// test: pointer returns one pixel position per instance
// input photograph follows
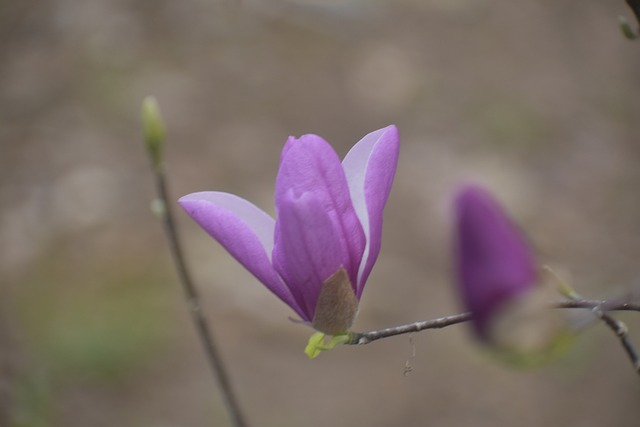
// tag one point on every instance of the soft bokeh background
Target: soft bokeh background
(538, 100)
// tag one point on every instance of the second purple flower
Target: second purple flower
(494, 262)
(317, 254)
(500, 285)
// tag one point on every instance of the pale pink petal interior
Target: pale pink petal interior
(244, 230)
(370, 167)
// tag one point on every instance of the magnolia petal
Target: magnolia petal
(495, 264)
(244, 230)
(310, 166)
(370, 167)
(307, 248)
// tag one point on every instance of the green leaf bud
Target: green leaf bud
(154, 131)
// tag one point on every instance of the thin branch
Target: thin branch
(621, 331)
(361, 338)
(618, 327)
(609, 305)
(193, 301)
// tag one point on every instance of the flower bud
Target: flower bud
(499, 281)
(153, 130)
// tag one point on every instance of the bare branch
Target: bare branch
(360, 338)
(598, 306)
(154, 138)
(608, 305)
(197, 316)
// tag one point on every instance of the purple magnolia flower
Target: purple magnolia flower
(495, 265)
(317, 255)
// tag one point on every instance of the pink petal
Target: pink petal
(307, 250)
(244, 230)
(309, 165)
(370, 167)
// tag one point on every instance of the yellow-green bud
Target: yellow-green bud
(318, 344)
(154, 130)
(626, 29)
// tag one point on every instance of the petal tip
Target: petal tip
(470, 193)
(190, 200)
(391, 133)
(392, 128)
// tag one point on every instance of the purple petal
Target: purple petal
(370, 167)
(495, 264)
(309, 165)
(244, 230)
(307, 249)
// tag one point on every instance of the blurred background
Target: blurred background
(537, 100)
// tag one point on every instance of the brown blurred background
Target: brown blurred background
(538, 100)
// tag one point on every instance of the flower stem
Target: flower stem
(192, 298)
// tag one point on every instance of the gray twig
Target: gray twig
(360, 338)
(622, 332)
(598, 307)
(193, 302)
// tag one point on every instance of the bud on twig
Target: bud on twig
(154, 131)
(626, 29)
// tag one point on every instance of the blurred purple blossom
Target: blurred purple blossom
(495, 265)
(317, 255)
